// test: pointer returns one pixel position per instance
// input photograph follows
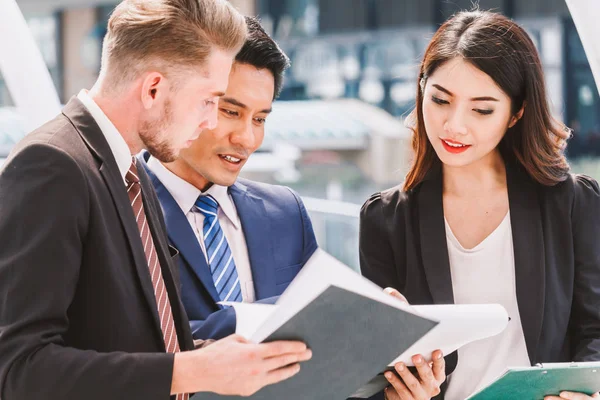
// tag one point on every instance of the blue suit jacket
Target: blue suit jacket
(280, 240)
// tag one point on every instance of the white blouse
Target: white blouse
(486, 274)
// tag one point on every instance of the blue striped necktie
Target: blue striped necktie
(220, 257)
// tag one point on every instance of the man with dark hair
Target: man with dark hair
(89, 305)
(239, 240)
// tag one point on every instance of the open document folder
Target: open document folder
(353, 328)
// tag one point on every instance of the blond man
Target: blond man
(89, 303)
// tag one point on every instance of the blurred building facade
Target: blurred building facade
(370, 49)
(367, 50)
(351, 59)
(69, 34)
(363, 49)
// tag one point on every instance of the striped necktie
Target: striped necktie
(220, 257)
(165, 313)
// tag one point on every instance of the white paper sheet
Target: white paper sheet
(458, 324)
(321, 271)
(250, 316)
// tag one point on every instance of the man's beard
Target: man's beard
(151, 131)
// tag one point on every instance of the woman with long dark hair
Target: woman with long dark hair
(489, 212)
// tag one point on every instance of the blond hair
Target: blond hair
(167, 36)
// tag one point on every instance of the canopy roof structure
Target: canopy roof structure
(345, 124)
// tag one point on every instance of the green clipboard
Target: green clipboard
(533, 383)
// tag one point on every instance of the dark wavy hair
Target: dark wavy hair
(502, 49)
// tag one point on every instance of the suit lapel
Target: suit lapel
(528, 244)
(116, 187)
(257, 231)
(152, 214)
(182, 236)
(432, 234)
(94, 138)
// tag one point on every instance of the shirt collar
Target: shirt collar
(117, 144)
(186, 194)
(221, 194)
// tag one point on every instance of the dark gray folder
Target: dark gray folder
(352, 337)
(371, 388)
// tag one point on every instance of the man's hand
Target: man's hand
(573, 396)
(234, 366)
(423, 387)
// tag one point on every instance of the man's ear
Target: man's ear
(153, 88)
(515, 118)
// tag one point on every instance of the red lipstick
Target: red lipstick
(454, 147)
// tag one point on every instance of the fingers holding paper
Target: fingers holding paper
(394, 293)
(282, 357)
(280, 360)
(573, 396)
(242, 368)
(410, 387)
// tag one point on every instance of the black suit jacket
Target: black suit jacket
(556, 238)
(78, 316)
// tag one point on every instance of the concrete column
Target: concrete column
(79, 51)
(246, 7)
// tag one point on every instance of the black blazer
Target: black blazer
(78, 316)
(556, 238)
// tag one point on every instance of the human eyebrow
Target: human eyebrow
(479, 98)
(484, 98)
(238, 103)
(234, 102)
(442, 89)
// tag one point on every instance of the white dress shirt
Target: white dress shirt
(185, 195)
(486, 274)
(117, 144)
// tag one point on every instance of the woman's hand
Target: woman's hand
(573, 396)
(423, 387)
(408, 386)
(394, 293)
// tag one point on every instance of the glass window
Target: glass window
(12, 129)
(45, 30)
(583, 103)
